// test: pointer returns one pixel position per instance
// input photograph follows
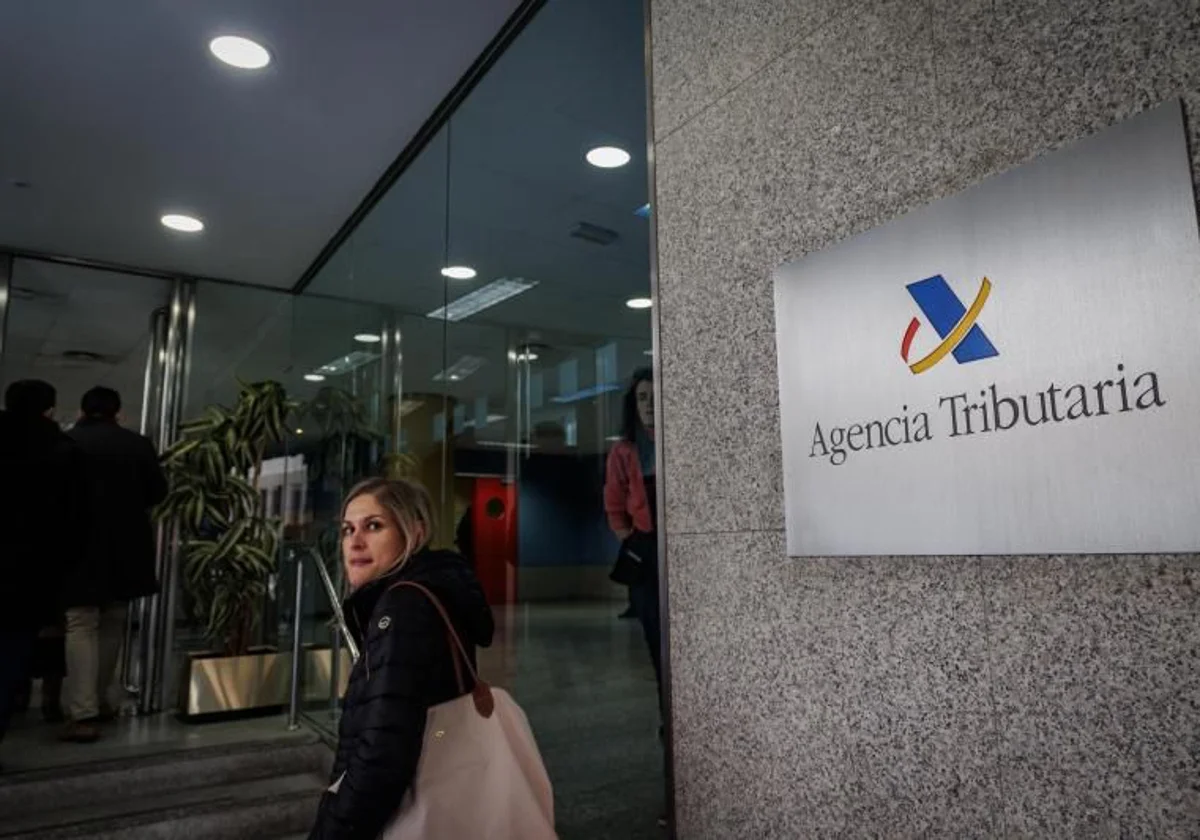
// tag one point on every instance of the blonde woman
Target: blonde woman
(406, 664)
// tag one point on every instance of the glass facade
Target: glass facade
(473, 332)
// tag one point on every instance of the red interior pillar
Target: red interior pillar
(494, 521)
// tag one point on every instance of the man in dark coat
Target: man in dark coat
(42, 510)
(116, 563)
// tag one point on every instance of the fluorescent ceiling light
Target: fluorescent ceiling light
(351, 361)
(639, 303)
(181, 222)
(459, 272)
(460, 370)
(608, 157)
(240, 52)
(497, 444)
(314, 377)
(368, 338)
(586, 394)
(481, 299)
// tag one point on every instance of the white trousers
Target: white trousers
(95, 636)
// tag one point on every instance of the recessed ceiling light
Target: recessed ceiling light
(639, 303)
(314, 377)
(240, 52)
(459, 272)
(180, 222)
(608, 157)
(299, 431)
(368, 338)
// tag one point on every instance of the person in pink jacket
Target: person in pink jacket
(630, 503)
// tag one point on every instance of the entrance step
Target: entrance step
(260, 790)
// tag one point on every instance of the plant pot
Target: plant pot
(318, 671)
(216, 684)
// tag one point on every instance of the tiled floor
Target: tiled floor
(582, 676)
(584, 679)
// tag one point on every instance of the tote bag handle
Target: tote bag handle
(482, 692)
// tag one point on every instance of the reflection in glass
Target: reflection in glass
(502, 264)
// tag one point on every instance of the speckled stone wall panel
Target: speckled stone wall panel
(1019, 79)
(774, 763)
(1096, 679)
(868, 705)
(704, 48)
(896, 697)
(834, 138)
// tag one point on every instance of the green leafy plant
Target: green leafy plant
(346, 444)
(228, 547)
(337, 413)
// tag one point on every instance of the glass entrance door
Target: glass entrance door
(76, 329)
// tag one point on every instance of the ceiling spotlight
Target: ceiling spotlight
(313, 377)
(299, 431)
(368, 338)
(639, 303)
(240, 52)
(459, 272)
(608, 157)
(180, 222)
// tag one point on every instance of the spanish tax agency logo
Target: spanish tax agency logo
(954, 323)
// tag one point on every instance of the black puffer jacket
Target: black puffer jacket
(405, 668)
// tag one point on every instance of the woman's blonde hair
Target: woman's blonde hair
(410, 506)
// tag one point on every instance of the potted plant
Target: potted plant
(226, 546)
(344, 448)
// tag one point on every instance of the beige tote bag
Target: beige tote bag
(480, 775)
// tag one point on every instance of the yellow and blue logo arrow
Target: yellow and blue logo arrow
(954, 323)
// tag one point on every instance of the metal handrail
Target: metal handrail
(336, 601)
(297, 635)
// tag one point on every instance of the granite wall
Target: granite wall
(891, 697)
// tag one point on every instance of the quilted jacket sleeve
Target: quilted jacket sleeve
(616, 492)
(405, 645)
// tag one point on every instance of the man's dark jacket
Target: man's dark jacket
(124, 481)
(42, 517)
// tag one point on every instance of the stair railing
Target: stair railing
(298, 555)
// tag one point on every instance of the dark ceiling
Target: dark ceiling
(115, 112)
(503, 184)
